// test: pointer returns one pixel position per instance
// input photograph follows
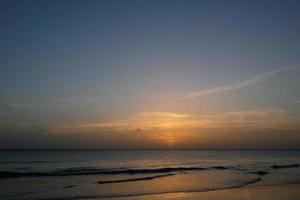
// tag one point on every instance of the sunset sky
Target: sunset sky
(150, 74)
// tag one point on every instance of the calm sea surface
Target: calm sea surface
(123, 173)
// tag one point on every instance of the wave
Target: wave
(97, 171)
(25, 162)
(249, 182)
(220, 167)
(285, 166)
(11, 174)
(116, 171)
(23, 168)
(130, 171)
(135, 179)
(261, 173)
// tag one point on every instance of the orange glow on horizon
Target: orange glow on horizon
(169, 139)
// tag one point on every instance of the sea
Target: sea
(113, 174)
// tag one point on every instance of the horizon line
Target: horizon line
(139, 149)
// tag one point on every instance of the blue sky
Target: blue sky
(100, 64)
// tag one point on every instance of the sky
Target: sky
(149, 74)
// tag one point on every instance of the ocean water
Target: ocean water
(124, 173)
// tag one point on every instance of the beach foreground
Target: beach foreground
(278, 192)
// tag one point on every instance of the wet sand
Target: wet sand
(278, 192)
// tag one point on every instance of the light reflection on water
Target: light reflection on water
(183, 170)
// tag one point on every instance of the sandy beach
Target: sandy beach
(278, 192)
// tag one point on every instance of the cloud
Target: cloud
(19, 105)
(138, 121)
(254, 119)
(162, 122)
(71, 101)
(89, 126)
(162, 114)
(237, 85)
(296, 101)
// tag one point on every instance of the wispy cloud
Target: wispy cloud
(296, 101)
(162, 115)
(19, 105)
(263, 118)
(140, 120)
(176, 122)
(72, 101)
(237, 85)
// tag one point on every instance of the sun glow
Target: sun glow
(169, 139)
(174, 122)
(175, 129)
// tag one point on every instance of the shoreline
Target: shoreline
(289, 191)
